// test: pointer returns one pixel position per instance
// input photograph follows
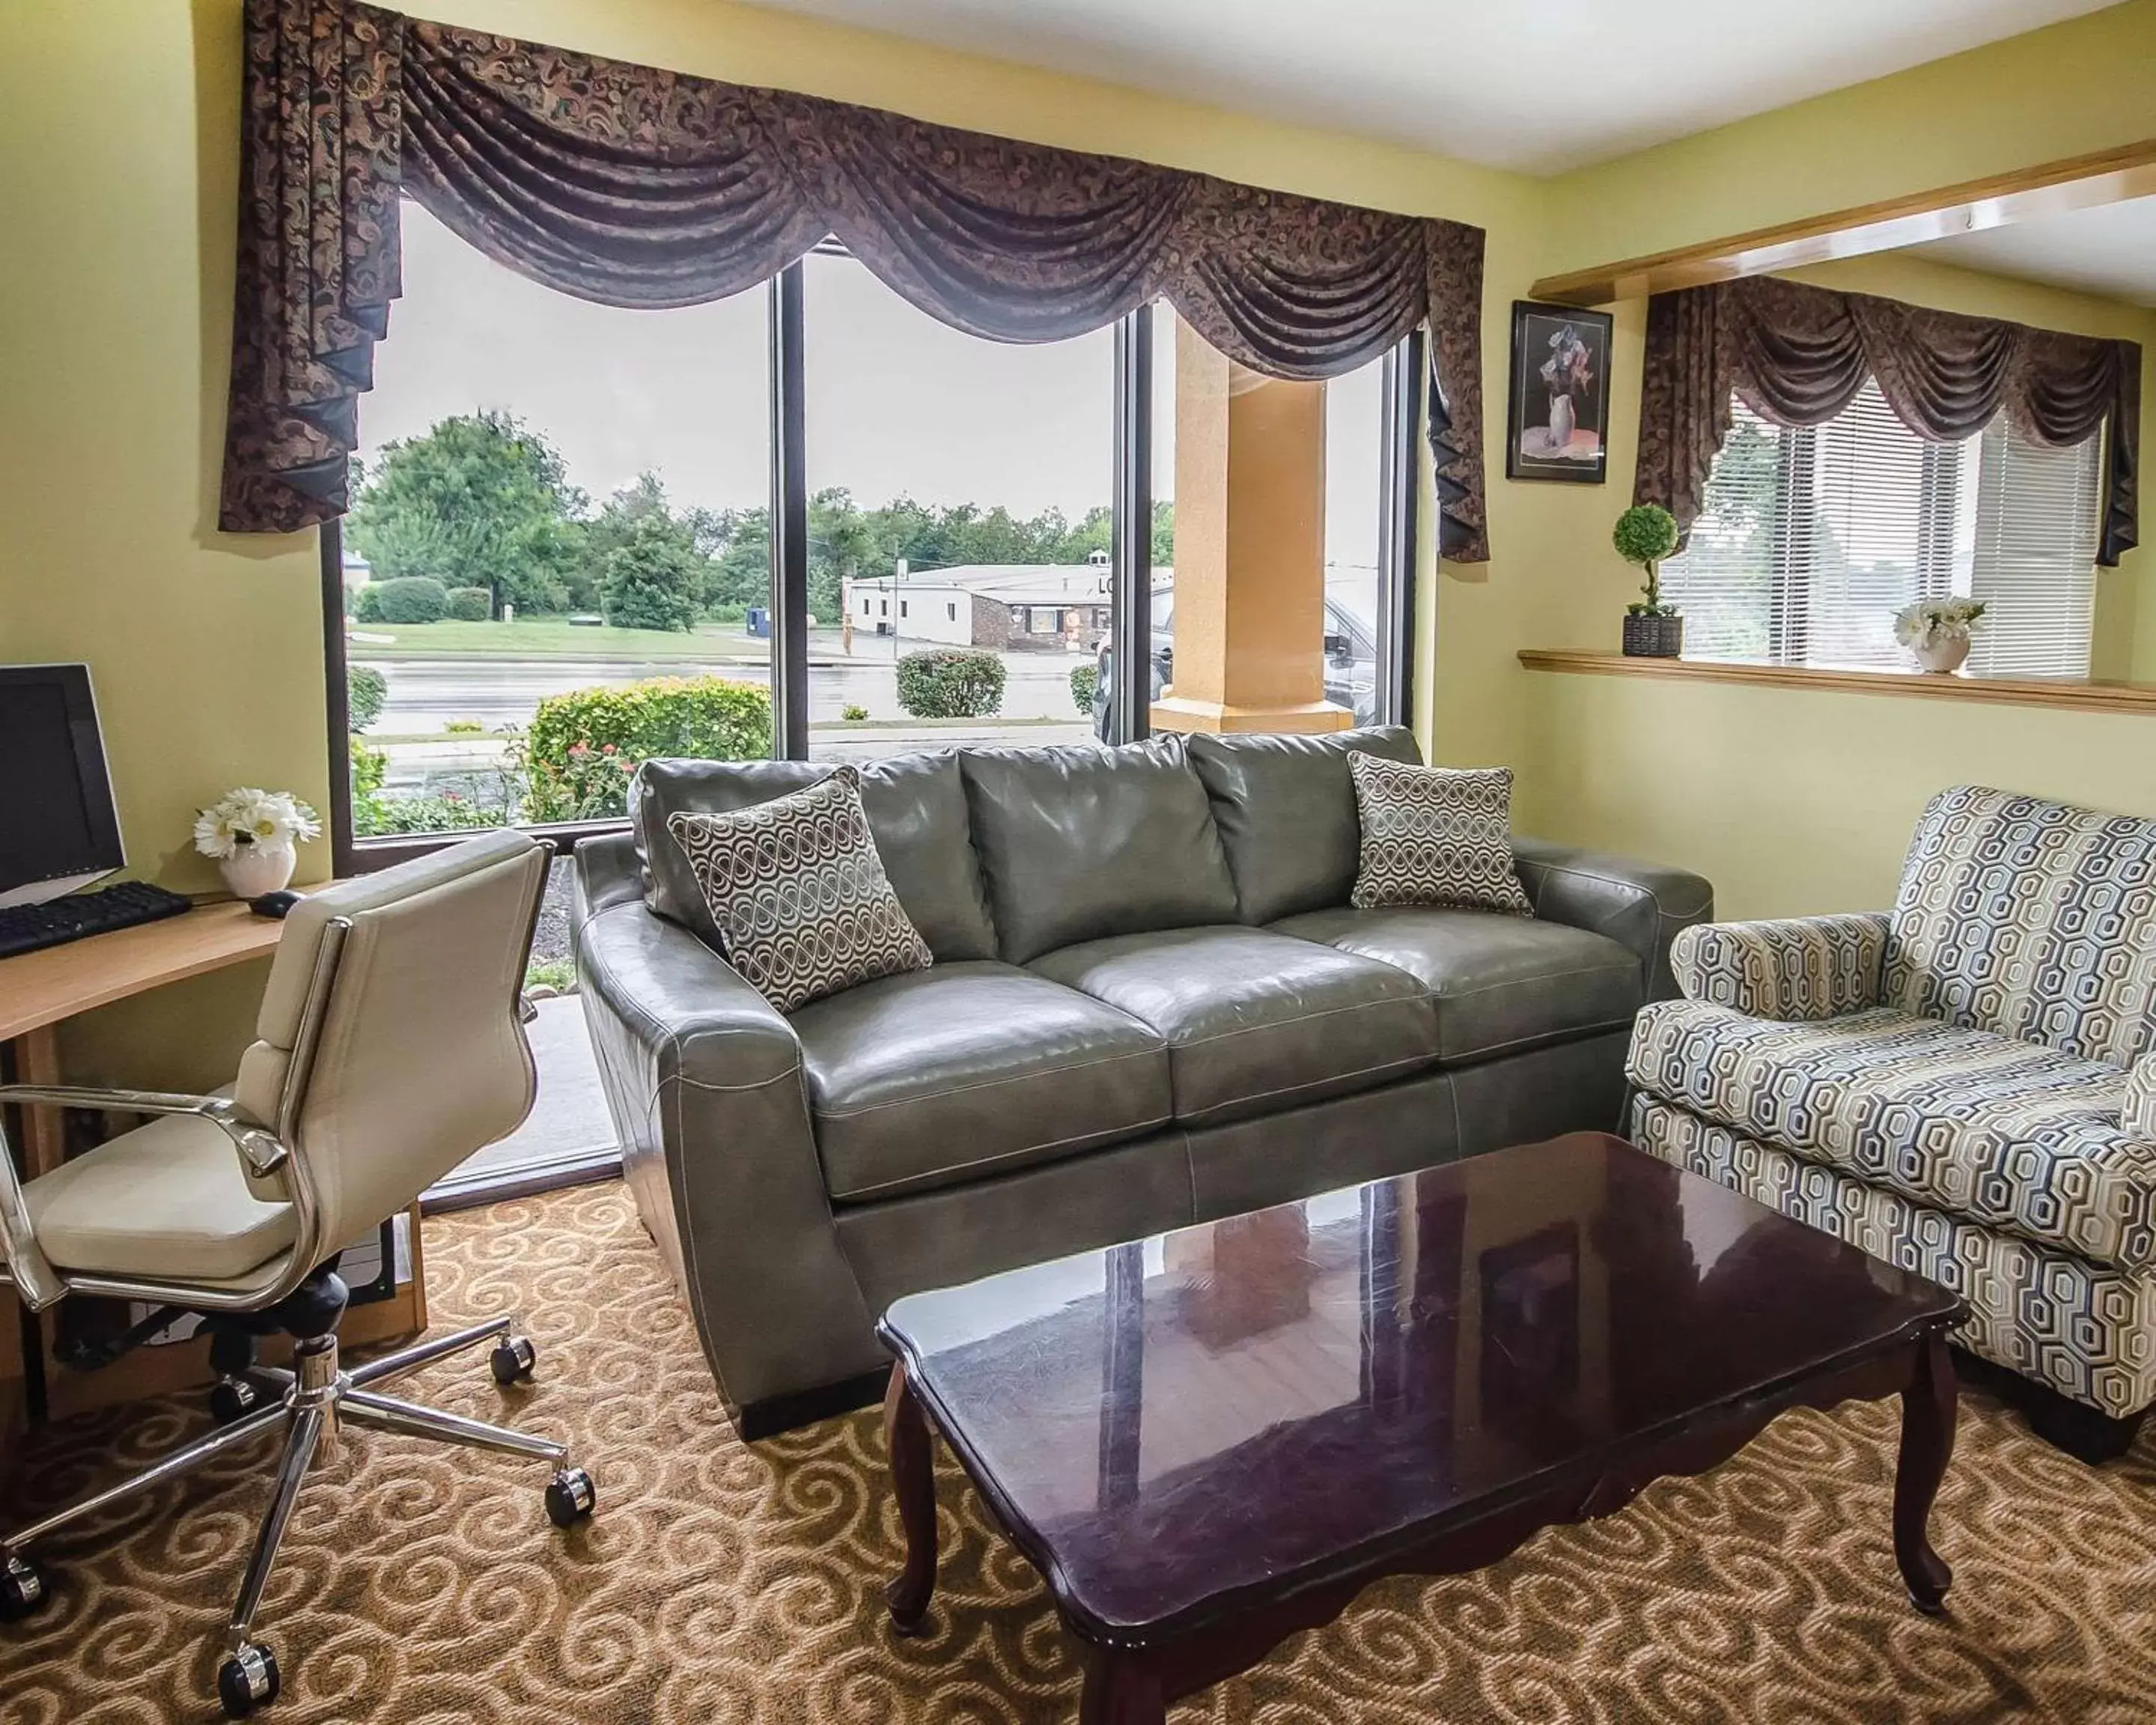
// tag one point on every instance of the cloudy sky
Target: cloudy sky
(898, 405)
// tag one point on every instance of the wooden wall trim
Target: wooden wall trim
(2079, 695)
(2047, 189)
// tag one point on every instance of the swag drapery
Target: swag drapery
(639, 187)
(1798, 355)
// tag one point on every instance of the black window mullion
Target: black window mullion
(790, 521)
(1400, 490)
(337, 687)
(1129, 702)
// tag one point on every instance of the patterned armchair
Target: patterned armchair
(1965, 1086)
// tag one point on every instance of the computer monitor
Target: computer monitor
(58, 829)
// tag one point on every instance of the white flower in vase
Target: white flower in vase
(251, 834)
(1938, 632)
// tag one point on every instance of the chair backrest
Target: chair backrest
(2031, 919)
(412, 1056)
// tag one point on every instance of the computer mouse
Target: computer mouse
(273, 904)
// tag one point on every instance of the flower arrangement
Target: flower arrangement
(1932, 623)
(242, 818)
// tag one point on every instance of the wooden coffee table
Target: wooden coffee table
(1211, 1438)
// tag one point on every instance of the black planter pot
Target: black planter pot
(1653, 637)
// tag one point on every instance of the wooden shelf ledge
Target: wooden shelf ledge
(2078, 694)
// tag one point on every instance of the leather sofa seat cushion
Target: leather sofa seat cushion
(1286, 806)
(167, 1199)
(1256, 1022)
(1079, 843)
(970, 1070)
(916, 810)
(1500, 983)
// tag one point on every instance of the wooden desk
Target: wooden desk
(39, 992)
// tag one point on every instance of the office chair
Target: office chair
(389, 1047)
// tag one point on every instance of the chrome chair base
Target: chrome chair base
(318, 1395)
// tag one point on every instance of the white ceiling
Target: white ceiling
(2109, 250)
(1537, 85)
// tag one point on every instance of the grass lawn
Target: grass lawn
(551, 637)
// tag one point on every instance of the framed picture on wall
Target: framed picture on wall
(1557, 419)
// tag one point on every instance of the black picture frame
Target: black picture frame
(1542, 336)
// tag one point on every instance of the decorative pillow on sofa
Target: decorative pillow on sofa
(797, 889)
(1435, 835)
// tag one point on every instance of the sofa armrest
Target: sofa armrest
(703, 1081)
(1795, 968)
(1638, 905)
(2136, 1114)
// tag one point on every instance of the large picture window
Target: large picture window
(1812, 537)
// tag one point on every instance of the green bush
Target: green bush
(1085, 682)
(951, 683)
(853, 712)
(432, 812)
(470, 604)
(583, 747)
(366, 690)
(652, 579)
(409, 599)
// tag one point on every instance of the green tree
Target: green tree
(654, 577)
(740, 559)
(841, 545)
(479, 500)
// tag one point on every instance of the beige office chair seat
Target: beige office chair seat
(168, 1200)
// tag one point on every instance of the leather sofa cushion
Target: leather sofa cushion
(1256, 1022)
(1500, 983)
(970, 1070)
(917, 811)
(1285, 806)
(1079, 843)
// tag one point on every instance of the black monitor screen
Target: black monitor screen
(56, 813)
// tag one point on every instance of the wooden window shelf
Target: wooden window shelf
(2080, 694)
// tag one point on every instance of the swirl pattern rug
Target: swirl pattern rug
(722, 1584)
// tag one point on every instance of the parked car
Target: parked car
(1351, 652)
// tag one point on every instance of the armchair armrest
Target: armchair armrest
(2136, 1114)
(259, 1150)
(1638, 905)
(1794, 969)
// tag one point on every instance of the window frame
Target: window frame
(1131, 568)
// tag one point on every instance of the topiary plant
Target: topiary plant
(1645, 534)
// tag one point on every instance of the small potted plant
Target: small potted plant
(1644, 535)
(1937, 632)
(251, 834)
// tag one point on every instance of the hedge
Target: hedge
(1085, 682)
(366, 690)
(583, 747)
(951, 683)
(407, 599)
(470, 604)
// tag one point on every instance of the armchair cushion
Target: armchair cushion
(166, 1200)
(2011, 1135)
(1801, 967)
(2138, 1114)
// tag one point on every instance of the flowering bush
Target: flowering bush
(1929, 622)
(584, 747)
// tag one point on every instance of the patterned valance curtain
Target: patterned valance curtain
(639, 187)
(1797, 355)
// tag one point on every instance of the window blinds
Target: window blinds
(1811, 538)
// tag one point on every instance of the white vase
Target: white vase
(265, 866)
(1562, 420)
(1945, 654)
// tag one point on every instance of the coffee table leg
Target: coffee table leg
(1119, 1692)
(1927, 1435)
(906, 1437)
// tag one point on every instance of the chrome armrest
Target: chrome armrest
(260, 1151)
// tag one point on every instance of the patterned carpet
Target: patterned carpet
(722, 1584)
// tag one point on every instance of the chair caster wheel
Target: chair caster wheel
(511, 1360)
(570, 1497)
(234, 1398)
(248, 1680)
(23, 1587)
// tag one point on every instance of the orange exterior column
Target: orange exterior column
(1250, 551)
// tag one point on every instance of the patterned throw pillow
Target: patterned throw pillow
(1432, 835)
(798, 892)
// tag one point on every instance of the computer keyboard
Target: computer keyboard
(24, 928)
